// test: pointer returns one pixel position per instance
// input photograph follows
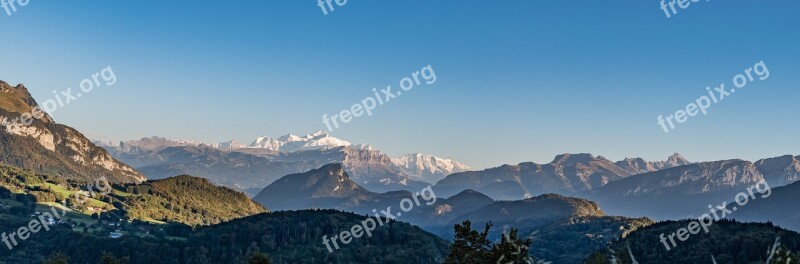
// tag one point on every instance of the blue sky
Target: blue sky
(517, 80)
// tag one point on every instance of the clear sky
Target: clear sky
(516, 80)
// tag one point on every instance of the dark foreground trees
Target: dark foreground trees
(471, 246)
(258, 258)
(107, 258)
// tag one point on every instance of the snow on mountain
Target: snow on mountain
(639, 165)
(363, 147)
(285, 155)
(233, 144)
(267, 143)
(289, 143)
(151, 143)
(428, 168)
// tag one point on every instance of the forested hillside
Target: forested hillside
(727, 242)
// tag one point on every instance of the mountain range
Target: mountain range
(671, 189)
(330, 187)
(557, 223)
(686, 191)
(308, 186)
(288, 143)
(567, 174)
(252, 167)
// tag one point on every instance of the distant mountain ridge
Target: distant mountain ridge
(778, 206)
(638, 165)
(686, 191)
(780, 171)
(47, 147)
(692, 179)
(251, 167)
(152, 143)
(236, 170)
(567, 174)
(288, 143)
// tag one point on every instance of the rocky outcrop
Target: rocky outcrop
(635, 166)
(780, 171)
(37, 143)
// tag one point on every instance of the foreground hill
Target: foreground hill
(183, 199)
(188, 200)
(47, 147)
(445, 211)
(544, 208)
(296, 237)
(727, 242)
(287, 237)
(563, 229)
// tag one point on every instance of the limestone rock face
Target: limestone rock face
(32, 140)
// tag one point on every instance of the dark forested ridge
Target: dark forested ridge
(727, 242)
(287, 237)
(562, 229)
(296, 237)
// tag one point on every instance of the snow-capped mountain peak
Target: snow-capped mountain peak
(288, 138)
(293, 143)
(363, 147)
(151, 143)
(429, 168)
(233, 144)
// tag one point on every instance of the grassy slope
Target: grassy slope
(12, 103)
(183, 199)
